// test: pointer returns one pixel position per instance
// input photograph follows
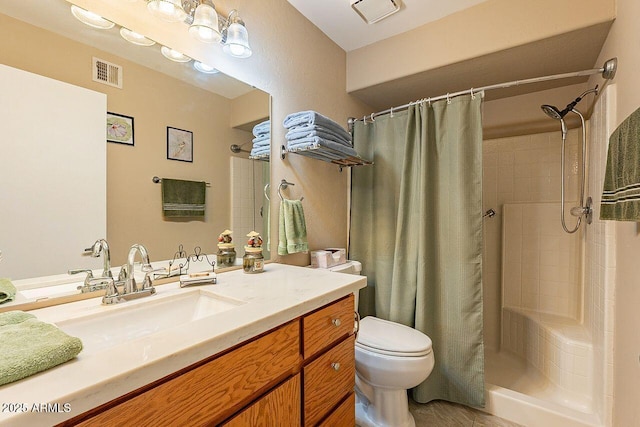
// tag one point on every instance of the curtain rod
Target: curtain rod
(608, 71)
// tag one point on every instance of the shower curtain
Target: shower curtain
(417, 229)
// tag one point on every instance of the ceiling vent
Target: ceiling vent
(373, 11)
(107, 73)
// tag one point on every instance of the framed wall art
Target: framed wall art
(179, 144)
(120, 129)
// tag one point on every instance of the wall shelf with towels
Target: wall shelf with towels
(327, 154)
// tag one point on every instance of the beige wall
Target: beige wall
(155, 101)
(302, 69)
(623, 42)
(469, 34)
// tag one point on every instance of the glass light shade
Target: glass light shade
(174, 55)
(205, 24)
(167, 10)
(237, 43)
(91, 19)
(204, 68)
(135, 38)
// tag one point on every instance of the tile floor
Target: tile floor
(445, 414)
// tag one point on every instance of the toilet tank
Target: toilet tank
(350, 267)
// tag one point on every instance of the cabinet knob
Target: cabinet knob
(335, 366)
(336, 322)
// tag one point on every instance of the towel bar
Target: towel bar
(158, 180)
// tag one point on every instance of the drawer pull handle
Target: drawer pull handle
(336, 322)
(335, 366)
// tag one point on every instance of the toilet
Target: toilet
(390, 359)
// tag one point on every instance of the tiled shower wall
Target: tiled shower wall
(518, 169)
(541, 263)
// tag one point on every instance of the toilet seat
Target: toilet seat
(392, 339)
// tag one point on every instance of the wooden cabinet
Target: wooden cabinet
(260, 382)
(280, 407)
(329, 361)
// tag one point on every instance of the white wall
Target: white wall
(40, 115)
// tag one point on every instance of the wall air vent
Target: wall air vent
(373, 11)
(107, 73)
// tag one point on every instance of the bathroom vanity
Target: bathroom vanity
(277, 350)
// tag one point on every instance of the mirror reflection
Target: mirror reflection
(211, 110)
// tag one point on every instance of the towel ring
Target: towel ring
(283, 185)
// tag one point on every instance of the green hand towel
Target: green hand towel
(13, 317)
(31, 346)
(7, 290)
(621, 190)
(292, 233)
(183, 198)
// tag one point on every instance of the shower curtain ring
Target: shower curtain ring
(364, 119)
(391, 115)
(429, 101)
(372, 119)
(473, 96)
(448, 99)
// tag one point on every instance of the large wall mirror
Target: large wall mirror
(216, 110)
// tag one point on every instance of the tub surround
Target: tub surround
(279, 295)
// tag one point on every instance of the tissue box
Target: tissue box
(328, 257)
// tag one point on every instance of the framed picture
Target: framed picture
(120, 129)
(179, 144)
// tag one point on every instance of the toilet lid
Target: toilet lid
(383, 336)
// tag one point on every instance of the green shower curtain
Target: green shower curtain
(417, 228)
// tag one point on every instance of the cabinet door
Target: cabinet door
(327, 380)
(214, 391)
(280, 407)
(344, 415)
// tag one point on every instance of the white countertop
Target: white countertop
(272, 298)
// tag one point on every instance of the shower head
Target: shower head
(552, 111)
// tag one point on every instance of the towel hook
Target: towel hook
(283, 186)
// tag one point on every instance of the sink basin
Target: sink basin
(114, 325)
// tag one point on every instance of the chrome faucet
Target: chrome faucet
(99, 246)
(126, 279)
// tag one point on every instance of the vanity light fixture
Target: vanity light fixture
(91, 19)
(167, 10)
(204, 68)
(135, 38)
(174, 55)
(205, 26)
(237, 37)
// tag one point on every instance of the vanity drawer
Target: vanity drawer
(213, 391)
(327, 326)
(328, 379)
